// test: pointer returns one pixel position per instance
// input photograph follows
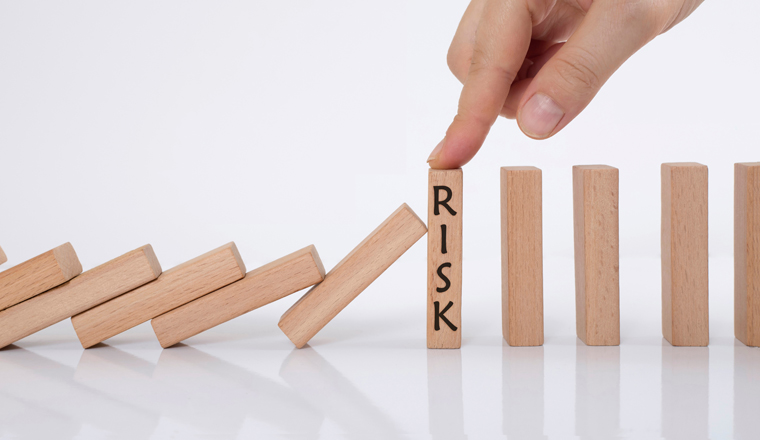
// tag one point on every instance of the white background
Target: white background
(276, 125)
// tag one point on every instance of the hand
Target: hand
(510, 56)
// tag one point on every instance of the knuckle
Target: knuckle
(458, 62)
(481, 65)
(577, 73)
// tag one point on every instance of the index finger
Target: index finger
(501, 43)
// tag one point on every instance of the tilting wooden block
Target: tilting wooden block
(261, 286)
(175, 287)
(352, 275)
(522, 290)
(93, 287)
(444, 280)
(747, 253)
(3, 258)
(684, 254)
(597, 281)
(38, 275)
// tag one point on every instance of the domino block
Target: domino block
(3, 258)
(684, 254)
(444, 280)
(93, 287)
(522, 256)
(175, 287)
(261, 286)
(747, 253)
(597, 280)
(352, 275)
(38, 275)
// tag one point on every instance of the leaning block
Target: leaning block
(260, 287)
(352, 275)
(444, 280)
(3, 258)
(38, 275)
(684, 254)
(521, 257)
(173, 288)
(747, 253)
(597, 281)
(93, 287)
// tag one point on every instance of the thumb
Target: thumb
(610, 33)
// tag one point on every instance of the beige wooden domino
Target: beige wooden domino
(684, 254)
(38, 275)
(175, 287)
(522, 256)
(597, 280)
(3, 258)
(444, 272)
(747, 253)
(261, 286)
(93, 287)
(352, 275)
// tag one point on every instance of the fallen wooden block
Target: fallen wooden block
(93, 287)
(175, 287)
(522, 256)
(3, 258)
(38, 275)
(261, 286)
(684, 254)
(747, 253)
(352, 275)
(444, 280)
(597, 280)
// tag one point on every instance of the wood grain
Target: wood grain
(747, 253)
(93, 287)
(597, 280)
(684, 254)
(352, 275)
(522, 256)
(175, 287)
(3, 258)
(38, 275)
(260, 287)
(444, 270)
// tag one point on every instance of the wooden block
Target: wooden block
(747, 253)
(3, 258)
(93, 287)
(597, 280)
(175, 287)
(522, 282)
(38, 275)
(684, 254)
(260, 287)
(444, 280)
(352, 275)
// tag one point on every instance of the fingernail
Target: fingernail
(539, 116)
(436, 151)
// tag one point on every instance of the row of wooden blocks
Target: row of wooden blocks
(215, 288)
(597, 285)
(196, 295)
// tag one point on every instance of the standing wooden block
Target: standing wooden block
(597, 280)
(747, 253)
(175, 287)
(38, 275)
(93, 287)
(352, 275)
(684, 254)
(3, 258)
(444, 280)
(522, 282)
(260, 287)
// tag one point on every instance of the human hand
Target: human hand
(510, 57)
